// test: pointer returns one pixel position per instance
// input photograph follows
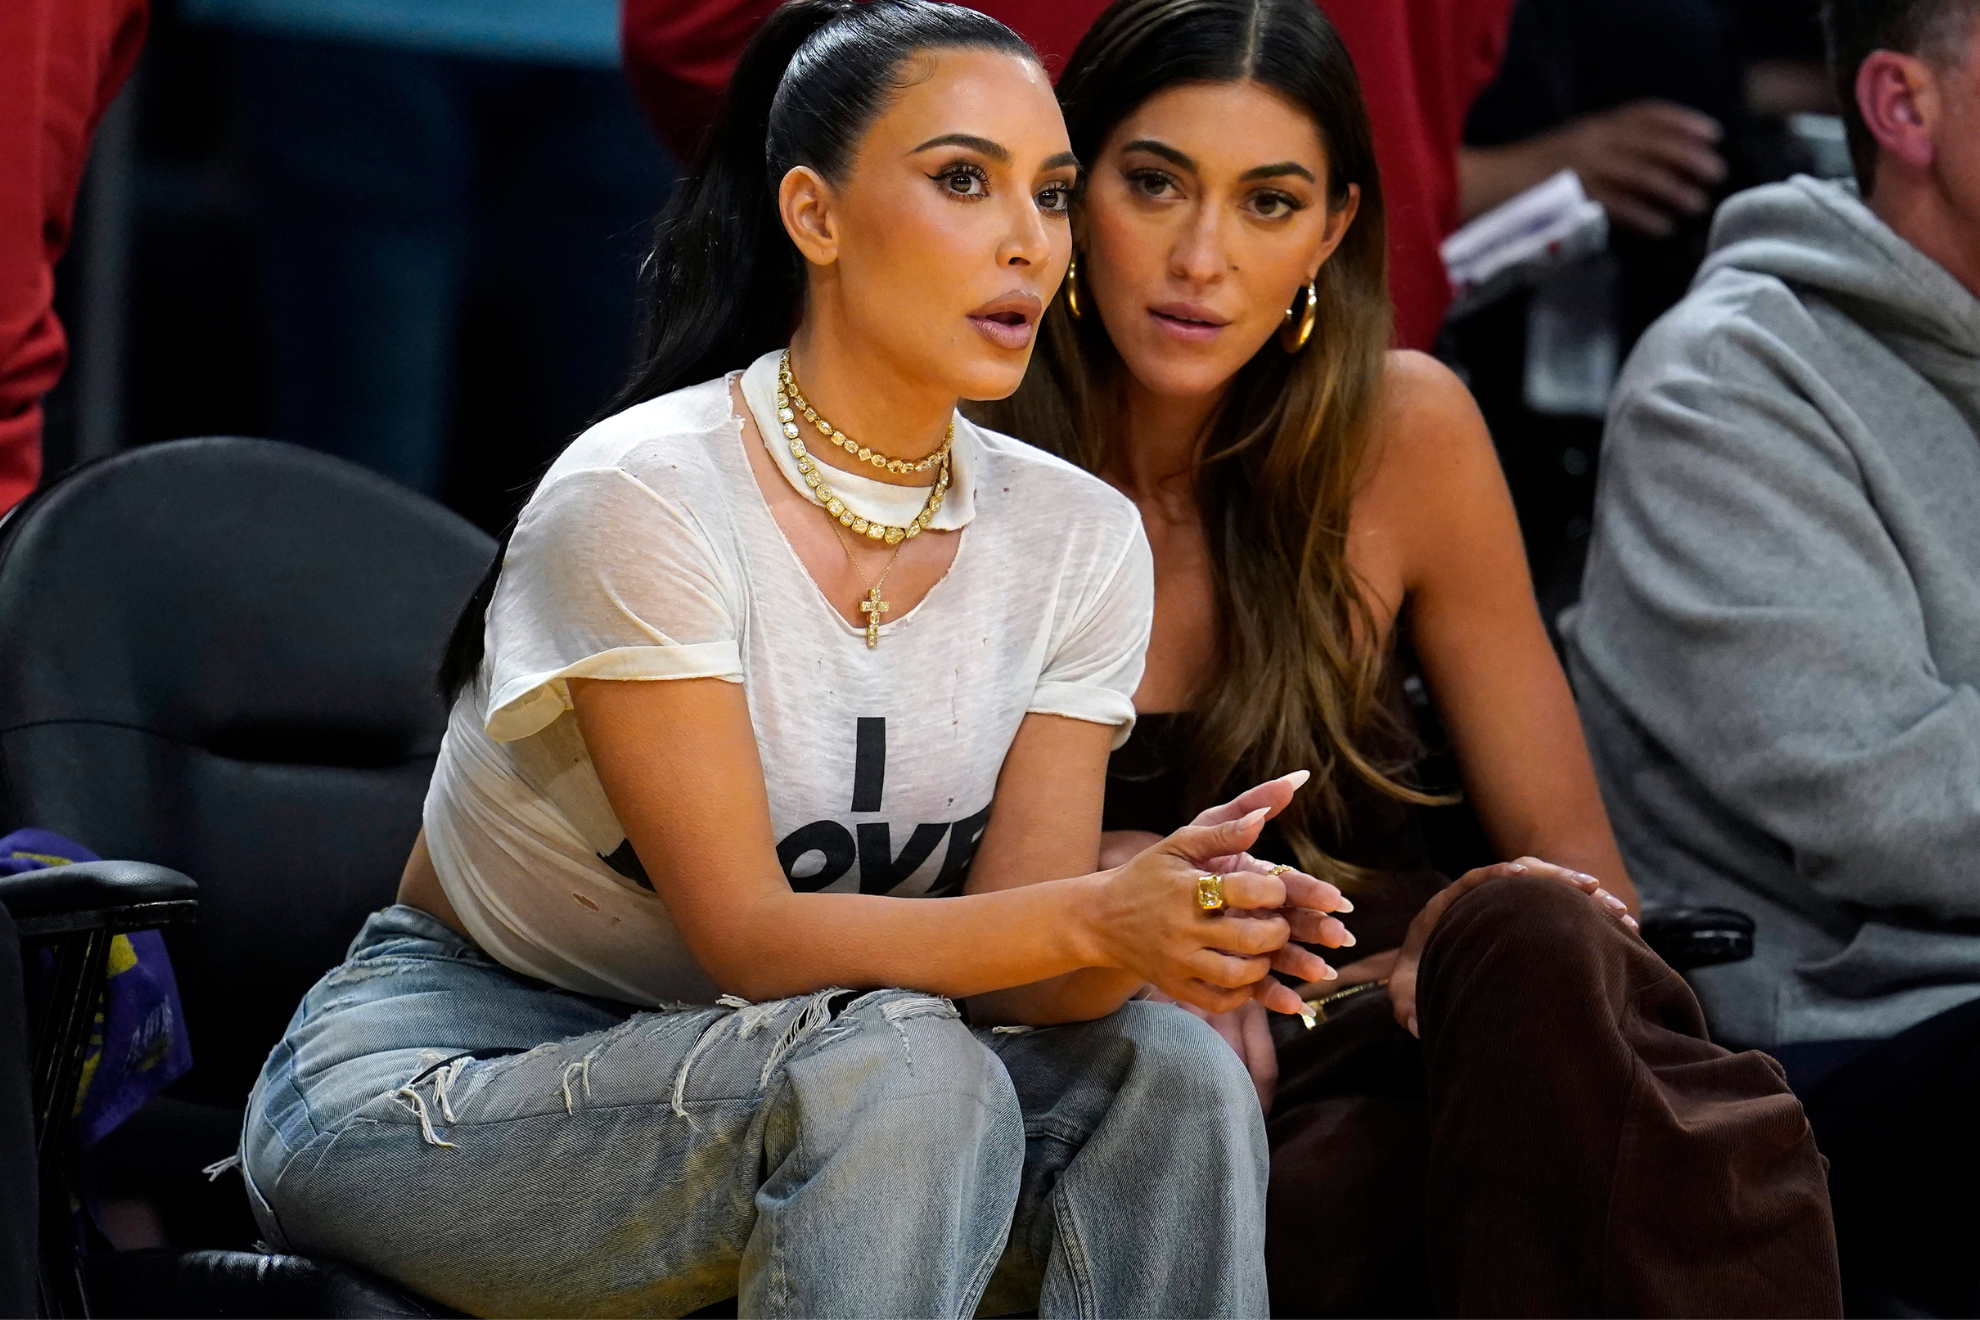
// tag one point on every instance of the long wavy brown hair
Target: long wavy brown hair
(1299, 678)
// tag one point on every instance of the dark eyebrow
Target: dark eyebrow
(1177, 158)
(1162, 149)
(1279, 171)
(1060, 161)
(994, 150)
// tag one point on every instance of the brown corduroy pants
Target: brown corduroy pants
(1565, 1140)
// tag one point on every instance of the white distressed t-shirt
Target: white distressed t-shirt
(649, 552)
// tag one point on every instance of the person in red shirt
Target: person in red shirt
(1422, 63)
(61, 63)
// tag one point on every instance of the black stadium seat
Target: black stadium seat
(218, 656)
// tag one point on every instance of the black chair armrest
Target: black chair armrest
(97, 896)
(76, 911)
(1687, 938)
(162, 1283)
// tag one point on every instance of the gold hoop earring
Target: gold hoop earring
(1291, 339)
(1072, 286)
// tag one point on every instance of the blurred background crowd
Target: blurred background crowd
(406, 234)
(409, 233)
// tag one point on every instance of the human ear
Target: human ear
(1338, 221)
(804, 201)
(1898, 97)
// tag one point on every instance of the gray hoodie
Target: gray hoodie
(1777, 652)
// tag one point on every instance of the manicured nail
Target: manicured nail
(1342, 905)
(1296, 778)
(1331, 974)
(1611, 900)
(1309, 1014)
(1255, 816)
(1412, 1029)
(1586, 878)
(1629, 921)
(1516, 868)
(1347, 939)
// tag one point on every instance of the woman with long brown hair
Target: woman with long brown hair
(1534, 1121)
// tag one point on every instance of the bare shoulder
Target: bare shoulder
(1429, 443)
(1432, 477)
(1426, 423)
(1420, 383)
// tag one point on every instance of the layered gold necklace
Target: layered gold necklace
(790, 403)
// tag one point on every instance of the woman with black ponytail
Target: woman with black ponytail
(777, 650)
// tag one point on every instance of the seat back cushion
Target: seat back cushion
(219, 655)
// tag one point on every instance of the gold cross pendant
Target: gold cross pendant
(873, 607)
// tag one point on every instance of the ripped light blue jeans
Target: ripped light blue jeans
(510, 1149)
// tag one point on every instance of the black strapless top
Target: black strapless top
(1146, 790)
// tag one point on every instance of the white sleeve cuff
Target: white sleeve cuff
(530, 703)
(1086, 701)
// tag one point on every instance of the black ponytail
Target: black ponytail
(724, 284)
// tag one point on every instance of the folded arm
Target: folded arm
(1748, 605)
(1035, 910)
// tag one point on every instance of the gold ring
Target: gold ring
(1280, 869)
(1210, 894)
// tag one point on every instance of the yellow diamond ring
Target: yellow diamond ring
(1210, 894)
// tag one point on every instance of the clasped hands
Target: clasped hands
(1225, 977)
(1217, 962)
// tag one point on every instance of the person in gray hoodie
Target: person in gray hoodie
(1777, 653)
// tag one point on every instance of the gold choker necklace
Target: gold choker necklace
(788, 382)
(787, 396)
